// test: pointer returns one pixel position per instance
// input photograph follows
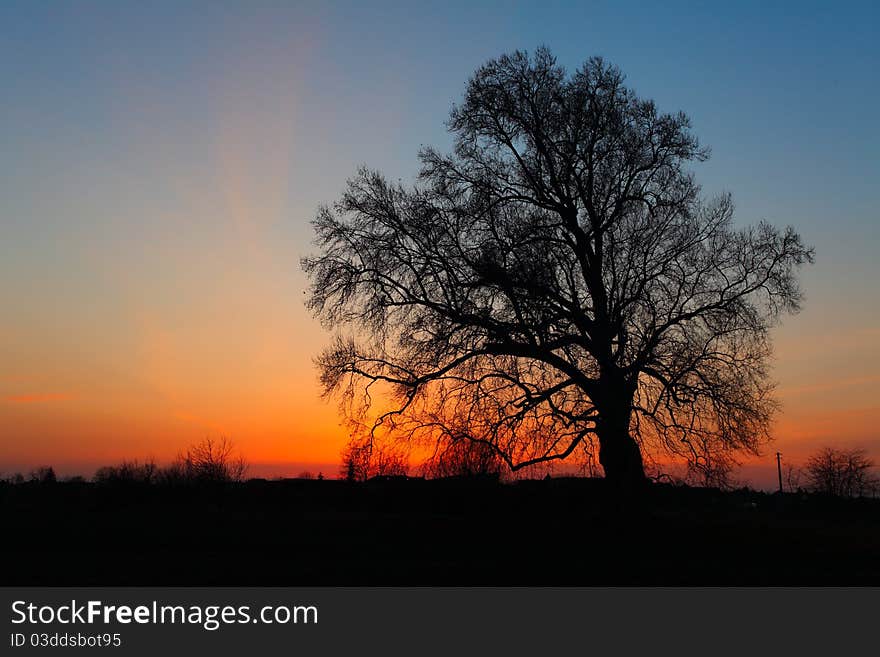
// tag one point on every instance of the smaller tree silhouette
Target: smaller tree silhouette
(362, 460)
(464, 458)
(709, 468)
(208, 461)
(793, 478)
(128, 472)
(44, 475)
(355, 461)
(386, 461)
(841, 472)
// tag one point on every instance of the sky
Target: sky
(160, 164)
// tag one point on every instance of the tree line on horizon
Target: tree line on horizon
(847, 473)
(837, 472)
(209, 461)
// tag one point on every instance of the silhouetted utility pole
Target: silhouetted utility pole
(779, 469)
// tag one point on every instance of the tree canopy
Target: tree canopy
(557, 282)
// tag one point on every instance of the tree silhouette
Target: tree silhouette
(556, 279)
(128, 472)
(360, 461)
(44, 475)
(841, 472)
(355, 463)
(463, 459)
(207, 461)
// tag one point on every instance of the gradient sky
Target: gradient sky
(160, 164)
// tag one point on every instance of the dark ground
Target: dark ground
(415, 532)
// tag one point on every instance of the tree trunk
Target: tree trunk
(619, 453)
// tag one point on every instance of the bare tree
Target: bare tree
(558, 277)
(709, 467)
(463, 458)
(793, 478)
(44, 475)
(355, 464)
(841, 472)
(388, 461)
(128, 472)
(208, 461)
(361, 460)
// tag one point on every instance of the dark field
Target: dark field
(444, 532)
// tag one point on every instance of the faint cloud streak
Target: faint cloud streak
(37, 398)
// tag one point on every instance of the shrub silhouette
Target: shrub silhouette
(842, 473)
(128, 472)
(44, 475)
(361, 460)
(464, 458)
(209, 461)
